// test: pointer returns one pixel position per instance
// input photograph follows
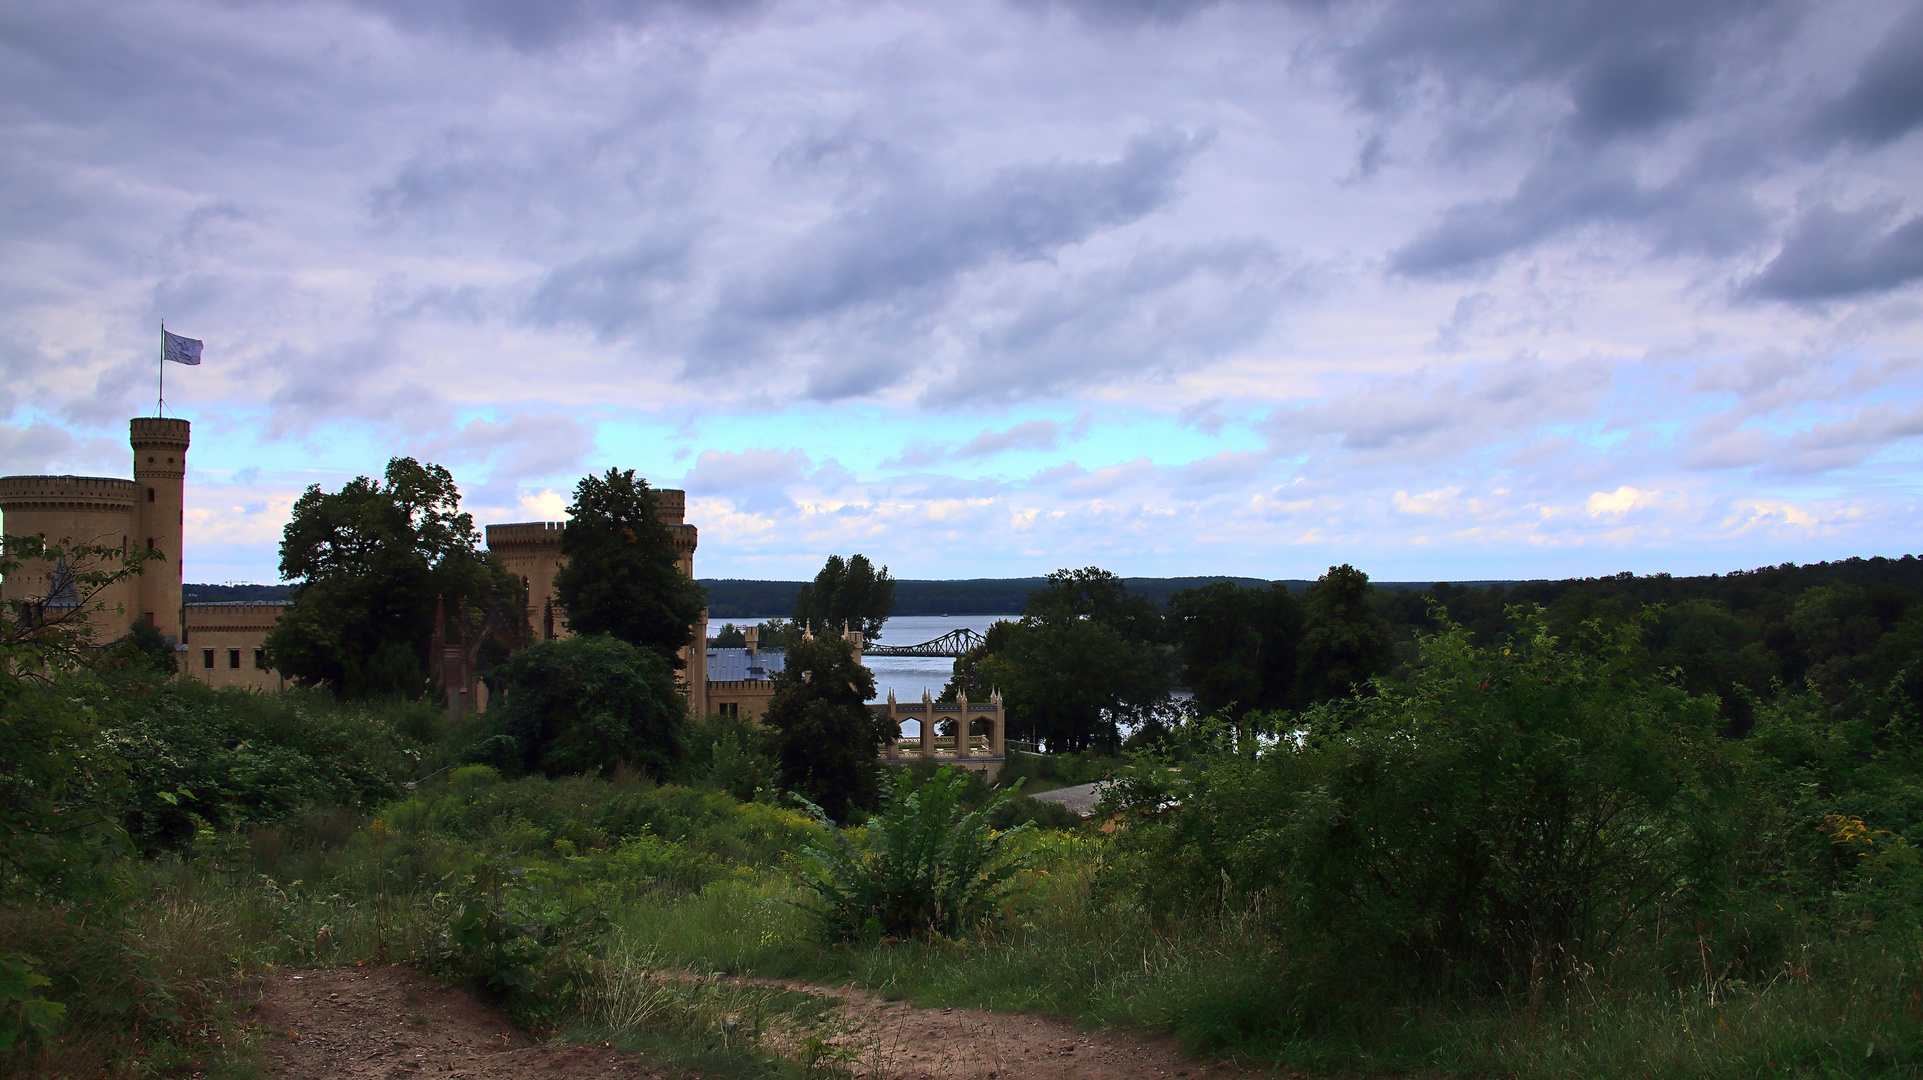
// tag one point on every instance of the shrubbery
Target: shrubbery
(924, 865)
(588, 705)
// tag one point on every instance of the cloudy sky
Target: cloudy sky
(1491, 288)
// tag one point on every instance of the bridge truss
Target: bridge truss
(953, 643)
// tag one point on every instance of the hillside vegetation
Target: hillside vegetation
(1638, 826)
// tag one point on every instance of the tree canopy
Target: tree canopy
(587, 704)
(373, 559)
(847, 591)
(825, 737)
(1081, 661)
(1237, 645)
(622, 576)
(1345, 643)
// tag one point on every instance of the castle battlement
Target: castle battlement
(536, 533)
(27, 493)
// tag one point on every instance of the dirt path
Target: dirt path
(897, 1041)
(392, 1022)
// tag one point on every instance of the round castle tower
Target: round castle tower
(146, 511)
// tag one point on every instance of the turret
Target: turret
(160, 471)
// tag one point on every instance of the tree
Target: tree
(586, 704)
(1069, 682)
(1344, 642)
(1095, 593)
(825, 736)
(967, 676)
(850, 592)
(623, 577)
(373, 559)
(1238, 645)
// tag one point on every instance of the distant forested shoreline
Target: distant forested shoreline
(735, 598)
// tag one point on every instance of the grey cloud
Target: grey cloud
(1224, 469)
(891, 261)
(1160, 312)
(1885, 102)
(1032, 435)
(613, 293)
(918, 453)
(114, 393)
(1130, 13)
(1421, 418)
(1112, 478)
(1057, 474)
(1821, 448)
(754, 480)
(1830, 254)
(535, 26)
(33, 448)
(1204, 416)
(1636, 90)
(518, 447)
(1468, 310)
(1696, 212)
(1029, 435)
(1599, 44)
(1626, 69)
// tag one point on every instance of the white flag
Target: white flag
(181, 350)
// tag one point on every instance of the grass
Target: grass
(691, 883)
(1213, 982)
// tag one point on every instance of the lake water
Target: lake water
(906, 675)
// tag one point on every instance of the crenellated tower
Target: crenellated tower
(160, 473)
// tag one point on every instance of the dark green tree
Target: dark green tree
(373, 559)
(587, 704)
(1344, 642)
(825, 737)
(622, 576)
(1094, 593)
(967, 676)
(1070, 682)
(847, 592)
(1238, 645)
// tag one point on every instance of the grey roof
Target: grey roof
(734, 665)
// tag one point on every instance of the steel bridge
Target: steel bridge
(953, 643)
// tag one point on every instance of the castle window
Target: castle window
(233, 659)
(260, 659)
(149, 616)
(150, 494)
(207, 659)
(150, 543)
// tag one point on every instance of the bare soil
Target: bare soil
(393, 1022)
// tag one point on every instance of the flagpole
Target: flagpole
(160, 403)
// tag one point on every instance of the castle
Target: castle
(224, 643)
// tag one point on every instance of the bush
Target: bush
(1508, 815)
(588, 704)
(198, 757)
(924, 866)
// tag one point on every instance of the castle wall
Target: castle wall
(532, 549)
(68, 510)
(226, 643)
